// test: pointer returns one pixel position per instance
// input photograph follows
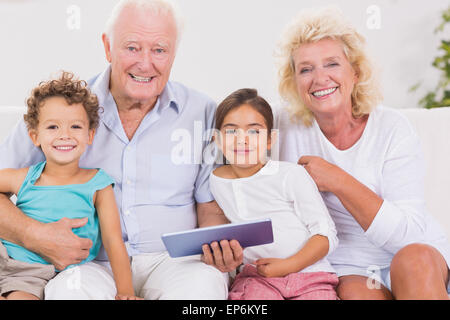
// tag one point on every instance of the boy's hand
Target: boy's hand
(127, 297)
(273, 267)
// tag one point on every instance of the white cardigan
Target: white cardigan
(388, 160)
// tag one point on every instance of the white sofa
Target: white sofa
(433, 127)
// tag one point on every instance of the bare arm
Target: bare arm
(210, 214)
(227, 255)
(12, 219)
(11, 180)
(314, 249)
(112, 241)
(15, 226)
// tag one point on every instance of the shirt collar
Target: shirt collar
(168, 98)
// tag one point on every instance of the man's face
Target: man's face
(141, 54)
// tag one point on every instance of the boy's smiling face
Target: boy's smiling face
(63, 131)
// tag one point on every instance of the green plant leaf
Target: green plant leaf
(441, 63)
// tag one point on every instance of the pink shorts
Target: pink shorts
(249, 285)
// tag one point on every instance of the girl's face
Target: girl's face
(63, 131)
(243, 137)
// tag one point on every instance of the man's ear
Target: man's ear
(32, 133)
(107, 46)
(91, 136)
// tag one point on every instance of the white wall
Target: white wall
(227, 44)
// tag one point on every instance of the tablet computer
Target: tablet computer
(250, 233)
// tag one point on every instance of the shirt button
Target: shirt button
(127, 212)
(128, 181)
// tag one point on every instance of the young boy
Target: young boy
(62, 117)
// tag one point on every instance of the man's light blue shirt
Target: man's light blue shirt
(159, 174)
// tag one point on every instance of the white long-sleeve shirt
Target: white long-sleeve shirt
(285, 193)
(388, 160)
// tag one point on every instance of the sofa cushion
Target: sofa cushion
(433, 128)
(9, 116)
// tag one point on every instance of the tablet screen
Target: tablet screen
(249, 233)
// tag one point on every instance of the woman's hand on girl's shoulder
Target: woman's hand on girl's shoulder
(325, 174)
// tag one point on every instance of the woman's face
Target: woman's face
(325, 78)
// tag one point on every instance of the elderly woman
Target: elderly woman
(364, 158)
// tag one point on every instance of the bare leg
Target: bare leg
(20, 295)
(354, 287)
(419, 271)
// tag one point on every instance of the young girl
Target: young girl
(62, 117)
(251, 187)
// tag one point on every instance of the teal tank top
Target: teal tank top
(52, 203)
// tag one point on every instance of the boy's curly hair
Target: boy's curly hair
(68, 87)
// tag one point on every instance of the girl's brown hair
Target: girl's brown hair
(71, 89)
(240, 97)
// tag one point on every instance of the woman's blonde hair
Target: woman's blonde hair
(311, 26)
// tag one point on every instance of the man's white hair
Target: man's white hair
(163, 7)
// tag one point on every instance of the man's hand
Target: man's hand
(57, 244)
(226, 257)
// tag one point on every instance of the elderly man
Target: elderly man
(142, 110)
